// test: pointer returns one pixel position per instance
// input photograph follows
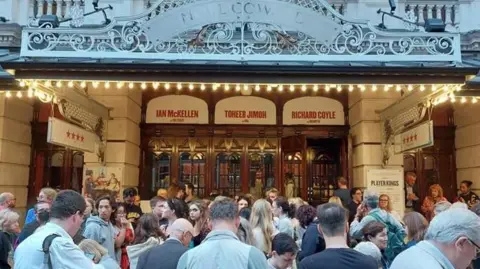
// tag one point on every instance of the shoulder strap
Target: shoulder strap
(47, 242)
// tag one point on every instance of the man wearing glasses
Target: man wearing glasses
(451, 242)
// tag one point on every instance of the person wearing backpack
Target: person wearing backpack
(368, 212)
(52, 246)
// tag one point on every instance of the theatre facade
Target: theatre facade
(235, 97)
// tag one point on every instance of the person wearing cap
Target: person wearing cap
(168, 254)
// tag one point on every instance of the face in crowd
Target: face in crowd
(242, 203)
(195, 212)
(272, 196)
(105, 209)
(159, 209)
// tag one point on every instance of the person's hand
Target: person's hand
(124, 222)
(461, 200)
(411, 197)
(360, 211)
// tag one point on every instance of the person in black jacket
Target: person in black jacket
(42, 215)
(167, 255)
(312, 241)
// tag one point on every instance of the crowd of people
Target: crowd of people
(355, 229)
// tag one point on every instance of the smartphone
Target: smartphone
(90, 256)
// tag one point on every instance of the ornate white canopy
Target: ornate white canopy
(307, 31)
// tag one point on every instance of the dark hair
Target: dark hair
(130, 192)
(66, 204)
(182, 186)
(372, 229)
(148, 226)
(353, 191)
(113, 217)
(189, 185)
(245, 213)
(173, 190)
(305, 215)
(283, 243)
(105, 197)
(224, 209)
(179, 207)
(287, 208)
(342, 180)
(35, 207)
(467, 182)
(332, 219)
(155, 200)
(249, 201)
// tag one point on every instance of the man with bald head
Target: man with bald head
(166, 256)
(7, 200)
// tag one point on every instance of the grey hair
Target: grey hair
(7, 216)
(224, 209)
(447, 227)
(441, 207)
(370, 249)
(459, 205)
(370, 199)
(5, 197)
(332, 219)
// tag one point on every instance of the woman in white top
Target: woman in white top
(284, 212)
(385, 204)
(261, 222)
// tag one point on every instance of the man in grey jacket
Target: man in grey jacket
(222, 248)
(99, 228)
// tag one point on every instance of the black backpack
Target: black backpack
(47, 242)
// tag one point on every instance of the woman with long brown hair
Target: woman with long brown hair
(199, 217)
(435, 195)
(417, 226)
(147, 236)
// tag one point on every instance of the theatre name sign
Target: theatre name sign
(248, 110)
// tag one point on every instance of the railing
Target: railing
(60, 8)
(448, 12)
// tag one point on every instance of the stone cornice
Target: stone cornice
(10, 35)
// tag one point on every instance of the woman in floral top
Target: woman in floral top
(435, 195)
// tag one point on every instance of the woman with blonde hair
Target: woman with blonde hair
(335, 200)
(97, 253)
(9, 228)
(46, 195)
(262, 225)
(385, 203)
(435, 195)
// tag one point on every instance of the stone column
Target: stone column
(123, 132)
(365, 129)
(15, 141)
(467, 143)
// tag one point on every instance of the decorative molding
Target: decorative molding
(10, 35)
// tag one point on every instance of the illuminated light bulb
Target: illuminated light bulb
(19, 94)
(434, 88)
(155, 85)
(202, 87)
(95, 84)
(22, 83)
(304, 88)
(179, 86)
(8, 94)
(83, 84)
(167, 86)
(463, 100)
(410, 88)
(315, 88)
(350, 88)
(422, 88)
(386, 88)
(237, 87)
(35, 83)
(269, 88)
(119, 85)
(257, 88)
(30, 92)
(458, 88)
(280, 88)
(374, 88)
(59, 84)
(452, 99)
(130, 85)
(398, 88)
(107, 85)
(70, 84)
(339, 88)
(245, 87)
(190, 86)
(47, 83)
(474, 100)
(55, 100)
(214, 87)
(226, 87)
(292, 88)
(143, 85)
